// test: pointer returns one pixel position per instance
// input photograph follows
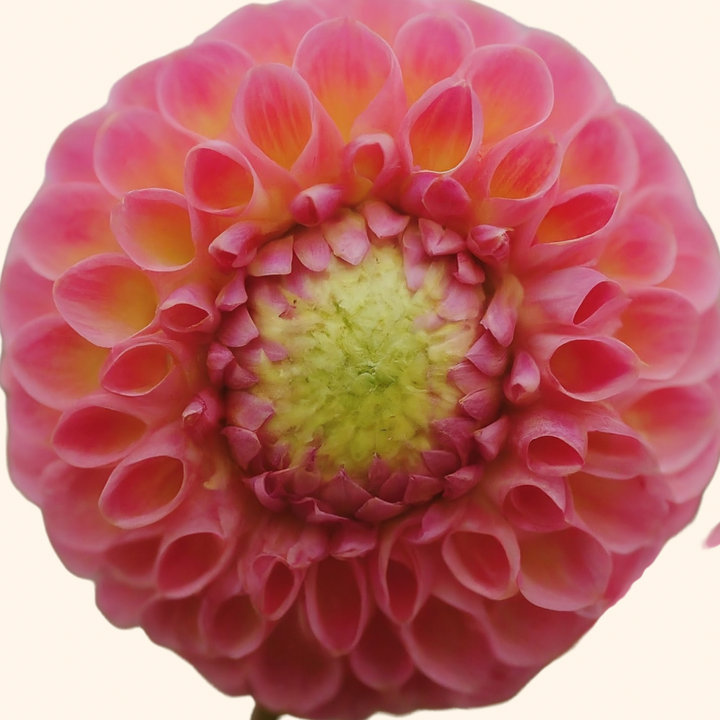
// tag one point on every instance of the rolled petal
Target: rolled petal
(136, 149)
(566, 570)
(362, 90)
(153, 228)
(514, 86)
(106, 299)
(196, 87)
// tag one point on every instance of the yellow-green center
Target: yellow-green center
(366, 371)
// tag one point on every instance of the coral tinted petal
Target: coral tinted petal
(196, 87)
(136, 149)
(106, 299)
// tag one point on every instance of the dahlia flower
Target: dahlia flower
(363, 353)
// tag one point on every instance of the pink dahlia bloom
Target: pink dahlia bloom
(363, 353)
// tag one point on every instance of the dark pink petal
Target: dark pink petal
(380, 659)
(449, 646)
(429, 49)
(482, 553)
(149, 483)
(655, 417)
(337, 603)
(550, 442)
(623, 516)
(491, 439)
(514, 86)
(661, 327)
(153, 228)
(362, 88)
(270, 33)
(442, 129)
(196, 87)
(54, 364)
(522, 384)
(523, 634)
(174, 624)
(198, 542)
(137, 149)
(93, 297)
(602, 153)
(490, 244)
(566, 570)
(134, 559)
(189, 313)
(71, 513)
(588, 369)
(103, 419)
(291, 669)
(64, 225)
(120, 603)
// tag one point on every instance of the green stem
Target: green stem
(260, 713)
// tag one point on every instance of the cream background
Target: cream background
(653, 656)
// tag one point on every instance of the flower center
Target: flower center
(366, 367)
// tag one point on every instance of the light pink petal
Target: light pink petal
(490, 244)
(196, 87)
(71, 156)
(623, 516)
(316, 204)
(602, 153)
(247, 410)
(514, 86)
(443, 129)
(483, 402)
(137, 149)
(380, 659)
(238, 328)
(97, 431)
(640, 251)
(549, 441)
(491, 439)
(438, 240)
(482, 553)
(362, 88)
(566, 570)
(24, 296)
(588, 369)
(276, 111)
(291, 669)
(337, 603)
(347, 237)
(120, 603)
(273, 258)
(661, 327)
(697, 278)
(488, 26)
(138, 89)
(106, 299)
(522, 634)
(270, 33)
(236, 246)
(704, 360)
(189, 313)
(244, 445)
(502, 313)
(64, 225)
(577, 296)
(449, 646)
(579, 90)
(150, 483)
(677, 422)
(153, 228)
(312, 250)
(468, 272)
(54, 364)
(70, 508)
(429, 49)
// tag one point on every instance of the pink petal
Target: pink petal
(189, 313)
(347, 237)
(488, 355)
(316, 204)
(153, 228)
(94, 298)
(514, 86)
(429, 49)
(71, 156)
(501, 316)
(247, 410)
(138, 89)
(566, 570)
(238, 328)
(113, 430)
(274, 258)
(137, 149)
(25, 297)
(64, 225)
(522, 384)
(369, 162)
(54, 364)
(602, 153)
(337, 603)
(196, 87)
(438, 240)
(491, 439)
(312, 250)
(443, 129)
(362, 89)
